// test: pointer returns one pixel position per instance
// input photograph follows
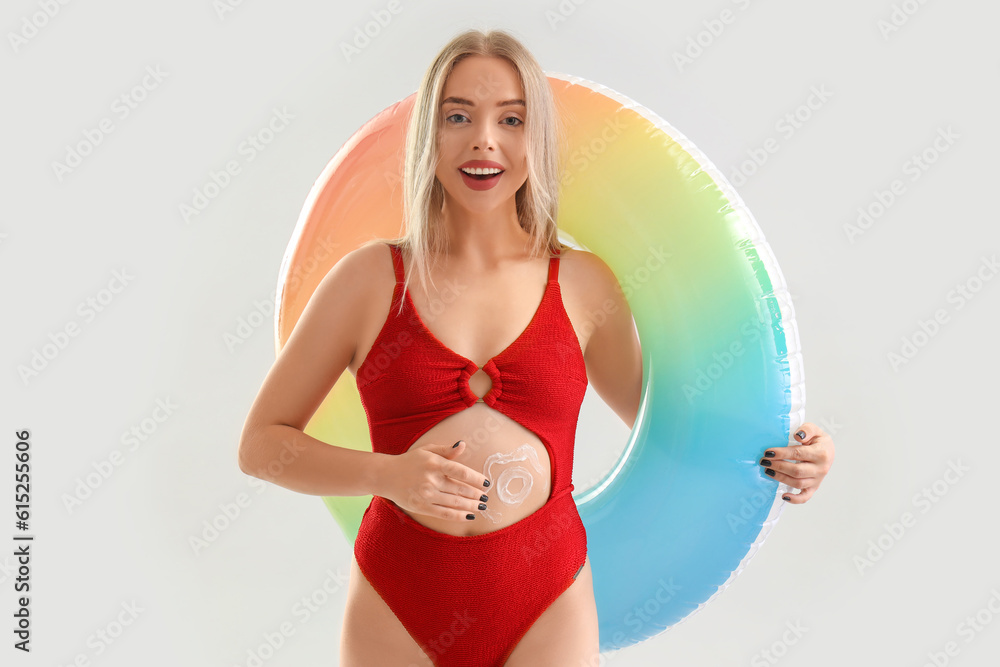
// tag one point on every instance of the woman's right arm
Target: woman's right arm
(426, 479)
(272, 445)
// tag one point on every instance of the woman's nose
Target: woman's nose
(484, 137)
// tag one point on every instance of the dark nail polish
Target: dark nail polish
(765, 463)
(769, 454)
(486, 483)
(470, 517)
(770, 471)
(483, 498)
(482, 506)
(784, 497)
(800, 434)
(456, 444)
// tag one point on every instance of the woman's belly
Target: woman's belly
(513, 458)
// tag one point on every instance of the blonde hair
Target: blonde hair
(537, 201)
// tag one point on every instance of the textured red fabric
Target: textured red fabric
(468, 600)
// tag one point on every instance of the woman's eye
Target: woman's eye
(519, 121)
(455, 115)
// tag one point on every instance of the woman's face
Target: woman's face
(482, 118)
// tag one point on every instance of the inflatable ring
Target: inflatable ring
(687, 504)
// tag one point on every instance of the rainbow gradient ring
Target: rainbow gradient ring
(686, 506)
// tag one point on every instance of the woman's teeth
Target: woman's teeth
(482, 174)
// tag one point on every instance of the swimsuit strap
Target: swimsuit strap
(397, 263)
(554, 268)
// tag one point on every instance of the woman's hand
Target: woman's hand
(814, 458)
(426, 480)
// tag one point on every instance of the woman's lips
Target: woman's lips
(480, 183)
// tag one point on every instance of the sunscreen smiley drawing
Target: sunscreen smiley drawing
(501, 485)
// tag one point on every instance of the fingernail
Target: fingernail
(470, 517)
(456, 444)
(769, 454)
(784, 497)
(765, 463)
(800, 435)
(770, 471)
(482, 506)
(483, 498)
(486, 483)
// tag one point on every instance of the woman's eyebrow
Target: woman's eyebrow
(470, 103)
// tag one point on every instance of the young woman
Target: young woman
(472, 346)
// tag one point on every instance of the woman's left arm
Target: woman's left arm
(614, 369)
(612, 353)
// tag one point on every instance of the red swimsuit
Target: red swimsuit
(468, 600)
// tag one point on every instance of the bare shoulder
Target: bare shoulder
(324, 340)
(587, 278)
(363, 270)
(351, 296)
(591, 295)
(353, 286)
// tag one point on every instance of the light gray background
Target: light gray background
(897, 430)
